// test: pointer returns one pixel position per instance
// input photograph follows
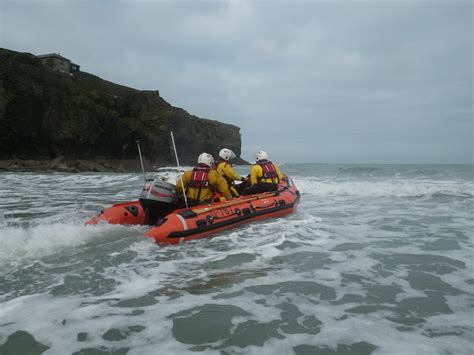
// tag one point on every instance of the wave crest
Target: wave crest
(405, 188)
(46, 239)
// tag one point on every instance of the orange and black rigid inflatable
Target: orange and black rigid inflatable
(201, 221)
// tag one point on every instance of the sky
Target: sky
(307, 81)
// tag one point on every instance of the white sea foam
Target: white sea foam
(401, 188)
(42, 240)
(359, 240)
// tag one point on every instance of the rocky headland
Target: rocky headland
(80, 122)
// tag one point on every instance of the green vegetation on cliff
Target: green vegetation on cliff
(45, 114)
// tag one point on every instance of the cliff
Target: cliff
(46, 114)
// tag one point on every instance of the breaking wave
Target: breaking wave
(404, 188)
(20, 243)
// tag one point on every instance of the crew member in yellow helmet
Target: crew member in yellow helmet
(202, 182)
(264, 175)
(226, 170)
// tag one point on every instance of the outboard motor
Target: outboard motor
(158, 198)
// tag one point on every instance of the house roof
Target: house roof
(52, 55)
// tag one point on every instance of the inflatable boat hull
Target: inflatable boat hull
(201, 221)
(121, 213)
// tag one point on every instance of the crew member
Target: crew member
(202, 182)
(224, 168)
(264, 175)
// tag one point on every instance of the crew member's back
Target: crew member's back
(226, 170)
(202, 182)
(264, 175)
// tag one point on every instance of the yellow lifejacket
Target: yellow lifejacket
(265, 171)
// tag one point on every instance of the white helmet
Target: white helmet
(206, 158)
(227, 154)
(261, 155)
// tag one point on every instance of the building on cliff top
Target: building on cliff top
(57, 62)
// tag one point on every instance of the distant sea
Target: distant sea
(378, 259)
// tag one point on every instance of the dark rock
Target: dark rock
(87, 165)
(58, 159)
(80, 165)
(64, 167)
(48, 115)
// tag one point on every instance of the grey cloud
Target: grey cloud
(344, 81)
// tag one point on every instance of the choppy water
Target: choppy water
(377, 260)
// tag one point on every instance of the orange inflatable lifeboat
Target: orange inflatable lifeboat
(201, 221)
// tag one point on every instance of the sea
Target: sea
(377, 259)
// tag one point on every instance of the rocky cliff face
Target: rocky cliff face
(45, 114)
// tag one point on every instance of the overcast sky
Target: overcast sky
(308, 81)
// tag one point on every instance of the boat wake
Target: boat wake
(23, 244)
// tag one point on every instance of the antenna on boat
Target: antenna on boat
(180, 175)
(141, 160)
